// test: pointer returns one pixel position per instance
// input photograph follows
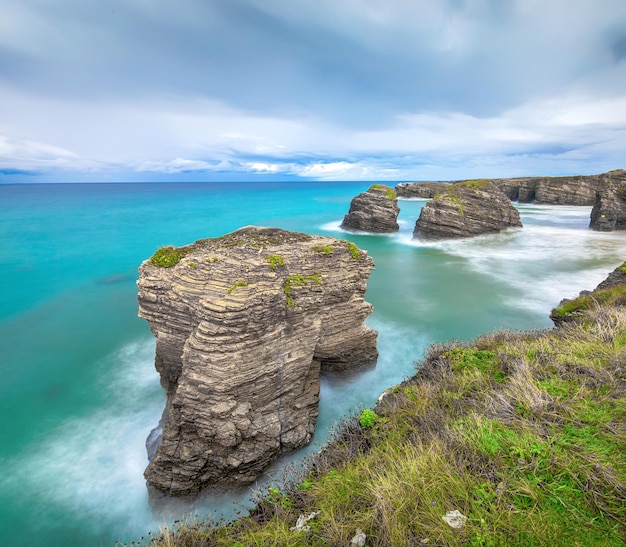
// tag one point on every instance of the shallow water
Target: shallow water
(79, 393)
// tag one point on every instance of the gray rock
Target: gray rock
(244, 324)
(375, 210)
(574, 190)
(609, 209)
(466, 209)
(422, 190)
(570, 190)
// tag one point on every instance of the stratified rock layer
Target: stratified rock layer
(609, 209)
(466, 209)
(244, 323)
(373, 211)
(570, 190)
(421, 190)
(574, 190)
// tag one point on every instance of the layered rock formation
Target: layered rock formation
(244, 323)
(421, 190)
(373, 211)
(575, 190)
(466, 209)
(609, 209)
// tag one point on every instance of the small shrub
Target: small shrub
(368, 418)
(355, 253)
(324, 249)
(275, 261)
(192, 265)
(166, 257)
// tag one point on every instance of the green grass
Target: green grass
(324, 249)
(236, 285)
(523, 433)
(166, 257)
(388, 191)
(275, 261)
(614, 296)
(299, 280)
(354, 251)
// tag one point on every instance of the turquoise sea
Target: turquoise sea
(78, 389)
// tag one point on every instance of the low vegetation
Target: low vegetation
(299, 280)
(275, 261)
(522, 433)
(166, 257)
(236, 285)
(389, 192)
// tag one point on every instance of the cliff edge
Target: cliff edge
(244, 323)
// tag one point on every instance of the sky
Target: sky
(391, 90)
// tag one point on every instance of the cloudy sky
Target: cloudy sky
(393, 90)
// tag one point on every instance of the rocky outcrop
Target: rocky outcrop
(572, 190)
(609, 209)
(610, 291)
(466, 209)
(420, 190)
(243, 324)
(373, 211)
(575, 190)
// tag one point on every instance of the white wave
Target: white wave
(94, 464)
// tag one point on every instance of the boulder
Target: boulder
(466, 209)
(420, 190)
(375, 210)
(609, 209)
(244, 324)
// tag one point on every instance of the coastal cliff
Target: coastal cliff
(420, 190)
(244, 323)
(466, 209)
(568, 190)
(609, 209)
(573, 190)
(514, 438)
(375, 210)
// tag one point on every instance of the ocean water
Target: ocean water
(78, 389)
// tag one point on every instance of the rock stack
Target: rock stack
(373, 211)
(466, 209)
(609, 210)
(244, 323)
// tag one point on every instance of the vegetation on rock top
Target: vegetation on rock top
(168, 256)
(389, 192)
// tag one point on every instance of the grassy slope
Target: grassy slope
(523, 433)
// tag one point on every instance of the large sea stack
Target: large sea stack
(375, 210)
(466, 209)
(609, 210)
(244, 323)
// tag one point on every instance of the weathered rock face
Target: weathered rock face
(422, 190)
(466, 209)
(609, 209)
(244, 323)
(576, 190)
(373, 211)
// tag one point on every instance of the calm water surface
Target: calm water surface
(79, 392)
